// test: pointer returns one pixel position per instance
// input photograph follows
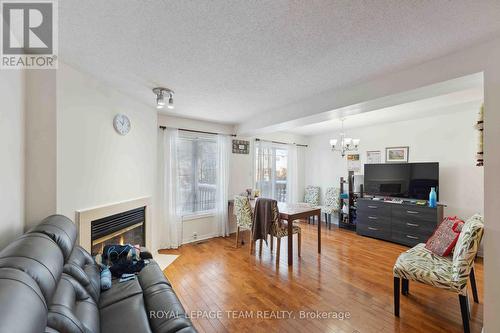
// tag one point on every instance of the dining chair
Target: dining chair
(311, 197)
(279, 229)
(244, 216)
(332, 204)
(451, 273)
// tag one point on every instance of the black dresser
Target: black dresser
(406, 223)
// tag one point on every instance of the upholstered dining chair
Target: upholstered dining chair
(279, 229)
(332, 204)
(450, 273)
(244, 216)
(311, 197)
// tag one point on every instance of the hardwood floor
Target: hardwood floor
(352, 275)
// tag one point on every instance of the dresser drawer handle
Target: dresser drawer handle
(373, 207)
(411, 224)
(412, 237)
(373, 218)
(371, 228)
(411, 212)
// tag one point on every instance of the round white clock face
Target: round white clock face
(121, 124)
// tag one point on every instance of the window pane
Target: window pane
(197, 172)
(271, 172)
(264, 171)
(281, 174)
(206, 175)
(185, 151)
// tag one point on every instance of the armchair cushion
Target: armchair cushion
(421, 265)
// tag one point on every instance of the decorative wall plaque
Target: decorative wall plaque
(241, 147)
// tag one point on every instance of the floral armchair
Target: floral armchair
(450, 273)
(279, 230)
(311, 197)
(244, 216)
(332, 204)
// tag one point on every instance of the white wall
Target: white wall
(197, 125)
(95, 165)
(449, 139)
(491, 187)
(41, 136)
(12, 101)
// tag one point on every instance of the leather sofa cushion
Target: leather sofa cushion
(165, 311)
(119, 291)
(127, 315)
(61, 230)
(72, 309)
(151, 275)
(38, 256)
(23, 309)
(82, 267)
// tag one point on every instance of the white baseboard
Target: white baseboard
(199, 238)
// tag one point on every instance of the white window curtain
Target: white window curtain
(292, 175)
(170, 227)
(223, 157)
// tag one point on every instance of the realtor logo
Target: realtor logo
(29, 34)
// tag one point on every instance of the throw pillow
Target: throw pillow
(445, 236)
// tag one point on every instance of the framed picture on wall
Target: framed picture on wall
(241, 147)
(373, 156)
(396, 154)
(353, 162)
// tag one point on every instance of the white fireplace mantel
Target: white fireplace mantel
(85, 217)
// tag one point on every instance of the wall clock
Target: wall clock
(121, 123)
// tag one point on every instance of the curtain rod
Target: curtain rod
(195, 131)
(283, 143)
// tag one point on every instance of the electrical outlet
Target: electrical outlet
(195, 235)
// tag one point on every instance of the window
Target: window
(271, 171)
(197, 172)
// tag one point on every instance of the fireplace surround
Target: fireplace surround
(132, 211)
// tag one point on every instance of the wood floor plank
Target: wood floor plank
(352, 274)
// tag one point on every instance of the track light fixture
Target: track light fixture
(161, 93)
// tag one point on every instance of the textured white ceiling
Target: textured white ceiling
(230, 60)
(459, 101)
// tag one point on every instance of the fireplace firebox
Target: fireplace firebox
(122, 228)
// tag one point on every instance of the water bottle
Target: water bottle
(105, 278)
(433, 198)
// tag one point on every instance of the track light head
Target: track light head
(161, 93)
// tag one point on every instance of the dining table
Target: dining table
(291, 212)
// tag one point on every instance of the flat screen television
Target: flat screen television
(402, 180)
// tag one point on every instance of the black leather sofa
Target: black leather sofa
(49, 284)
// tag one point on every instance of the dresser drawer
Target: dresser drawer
(409, 238)
(374, 221)
(415, 214)
(373, 208)
(376, 231)
(413, 226)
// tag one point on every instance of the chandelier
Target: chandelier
(346, 144)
